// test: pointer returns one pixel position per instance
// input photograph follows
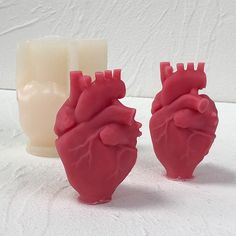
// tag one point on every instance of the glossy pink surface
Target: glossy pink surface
(183, 123)
(97, 135)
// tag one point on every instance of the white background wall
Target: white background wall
(140, 35)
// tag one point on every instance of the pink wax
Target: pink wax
(97, 135)
(183, 123)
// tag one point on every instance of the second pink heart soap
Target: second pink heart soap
(183, 122)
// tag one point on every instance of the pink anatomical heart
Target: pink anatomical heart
(97, 135)
(183, 123)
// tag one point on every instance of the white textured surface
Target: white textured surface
(36, 199)
(140, 35)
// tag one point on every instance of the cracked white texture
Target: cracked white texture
(36, 198)
(140, 35)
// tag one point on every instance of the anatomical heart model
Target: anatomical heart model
(183, 123)
(97, 135)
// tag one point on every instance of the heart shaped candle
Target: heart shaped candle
(97, 135)
(183, 123)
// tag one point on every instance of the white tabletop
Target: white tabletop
(36, 198)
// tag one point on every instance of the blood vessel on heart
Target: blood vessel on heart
(183, 122)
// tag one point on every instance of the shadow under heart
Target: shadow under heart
(214, 174)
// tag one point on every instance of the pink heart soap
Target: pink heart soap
(183, 122)
(97, 135)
